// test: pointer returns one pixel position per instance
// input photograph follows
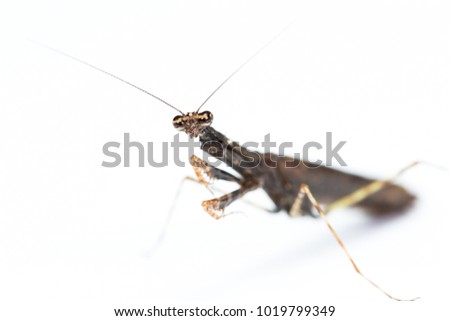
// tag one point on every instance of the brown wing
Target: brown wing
(329, 185)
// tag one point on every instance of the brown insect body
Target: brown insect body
(281, 176)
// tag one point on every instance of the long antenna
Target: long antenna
(247, 61)
(107, 73)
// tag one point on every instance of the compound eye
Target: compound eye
(205, 118)
(178, 122)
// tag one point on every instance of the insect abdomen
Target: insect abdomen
(329, 185)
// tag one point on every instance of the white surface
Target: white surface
(75, 236)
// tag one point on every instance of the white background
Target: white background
(75, 237)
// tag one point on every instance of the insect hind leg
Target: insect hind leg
(304, 190)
